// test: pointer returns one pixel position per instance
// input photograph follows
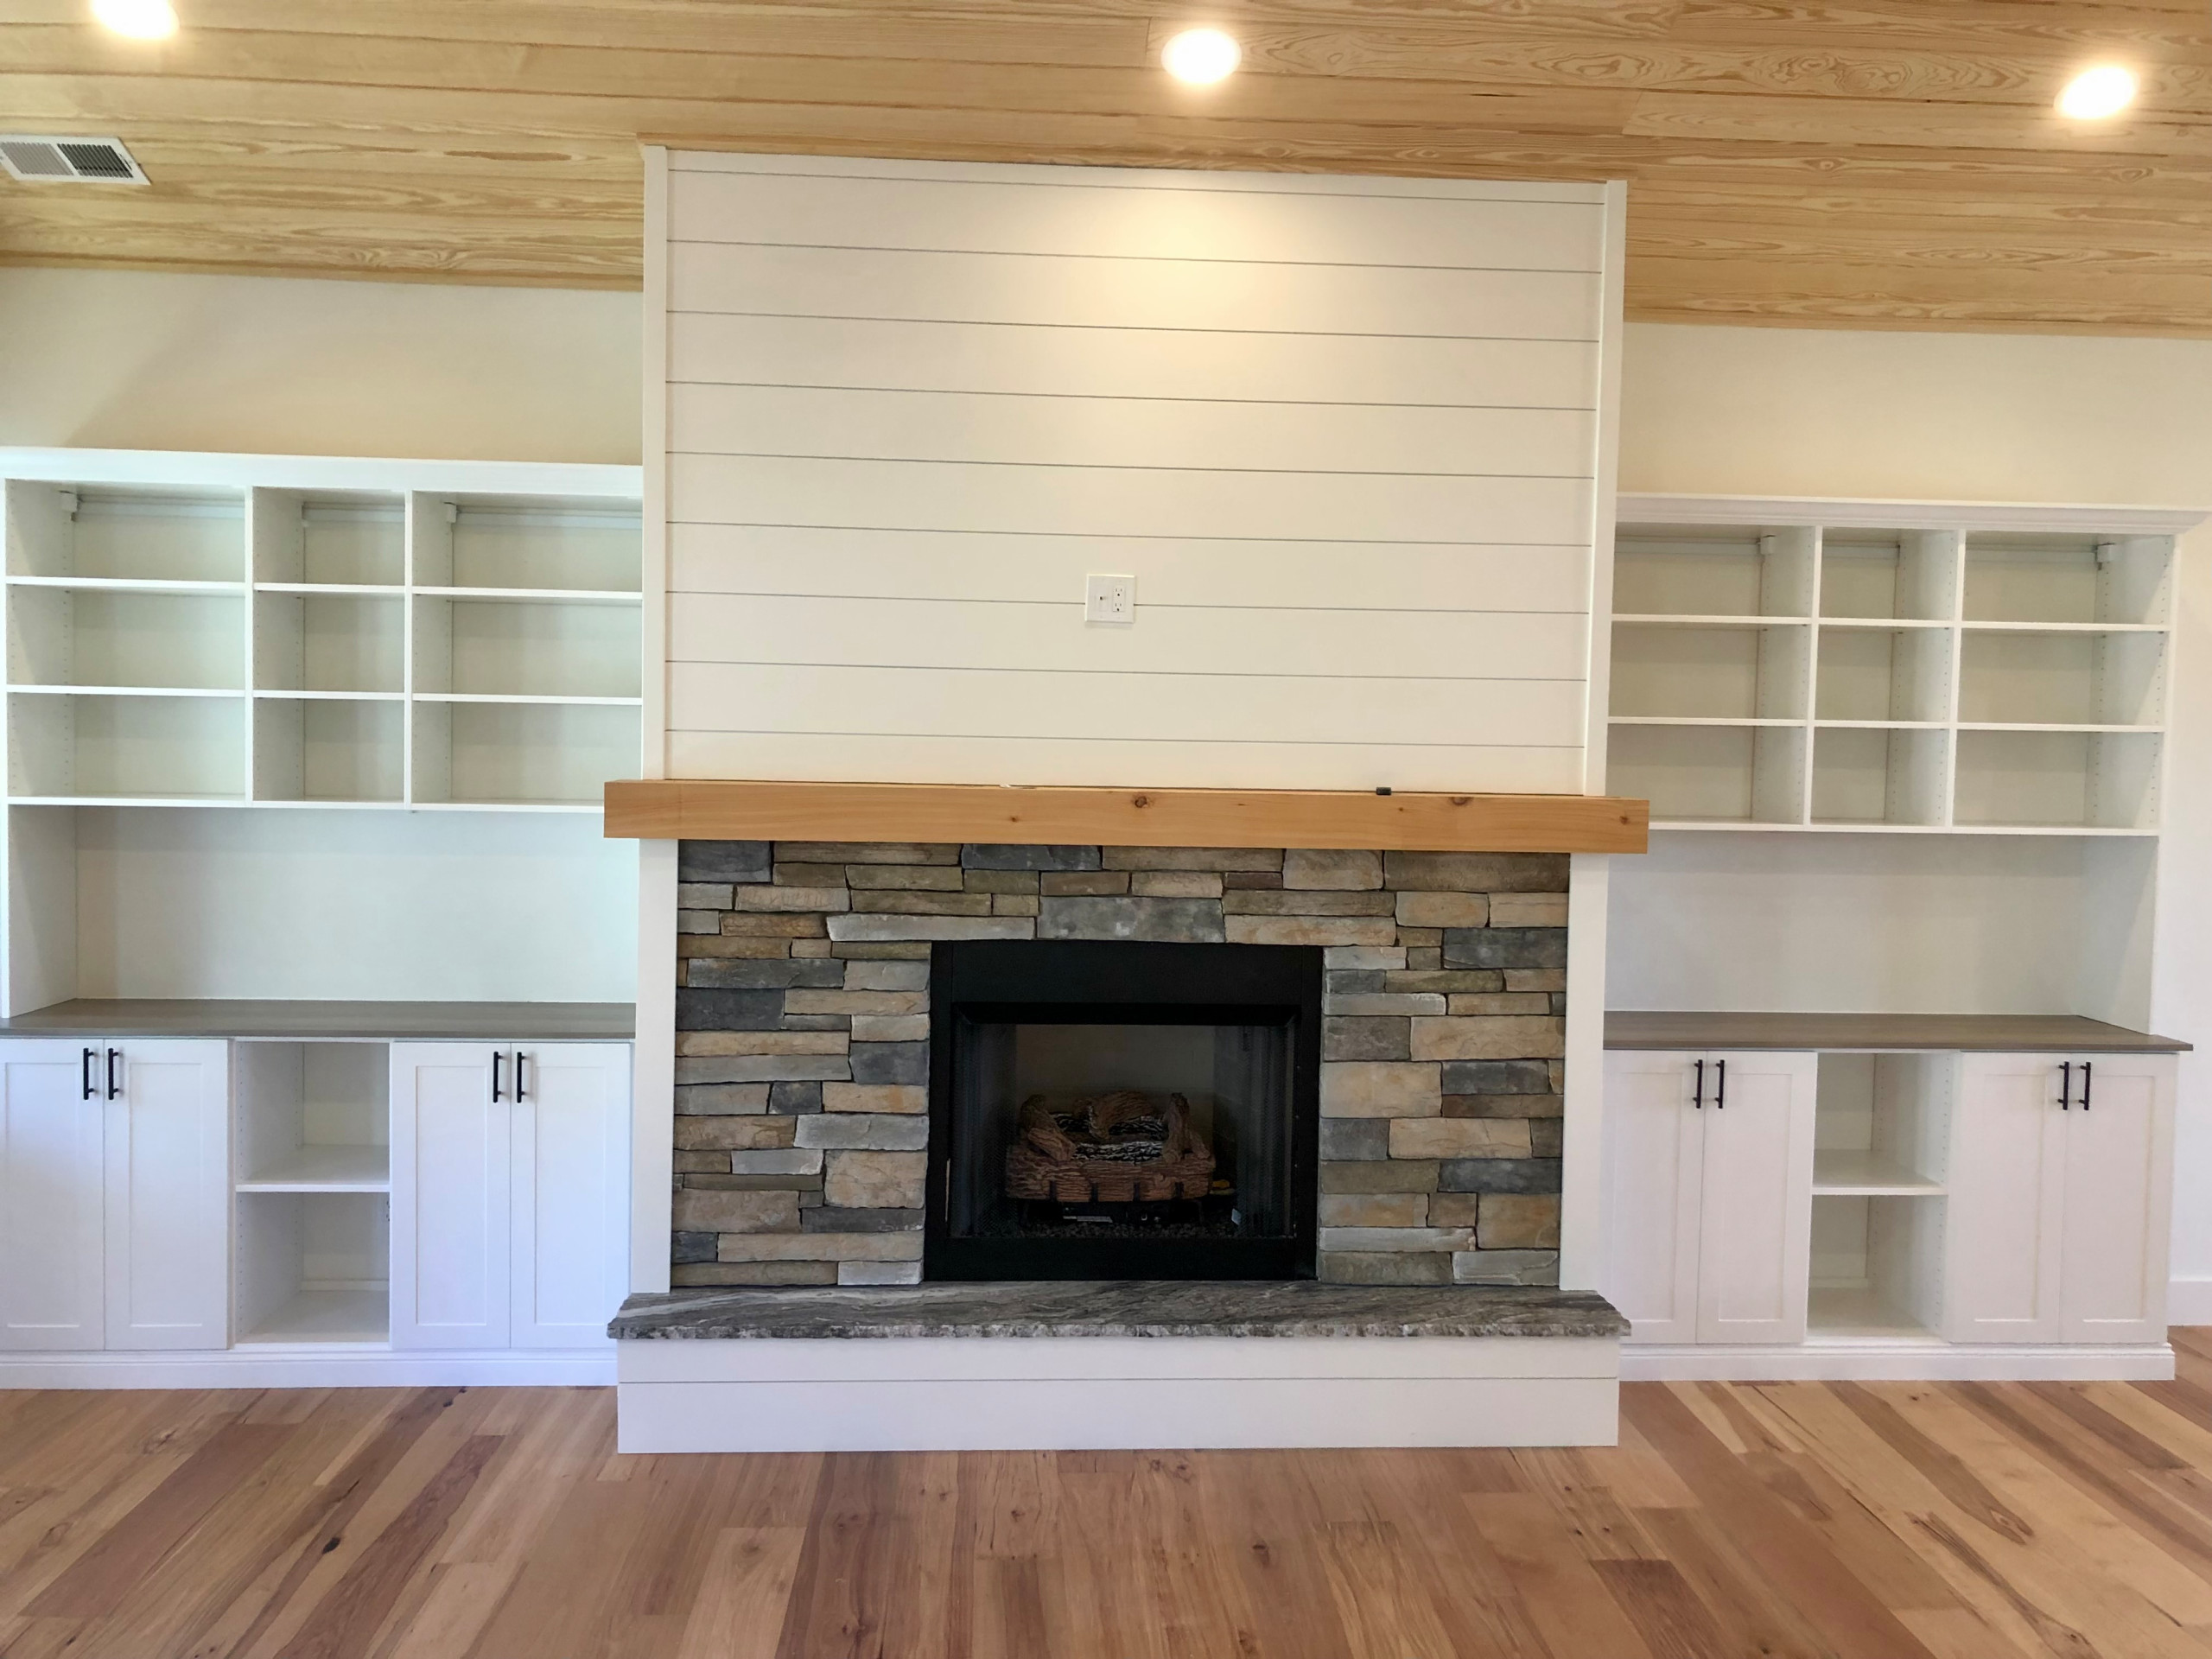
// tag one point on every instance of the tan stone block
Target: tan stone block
(1385, 1175)
(1375, 1210)
(1310, 929)
(1385, 1268)
(735, 1213)
(1082, 884)
(806, 947)
(911, 903)
(1285, 901)
(1190, 858)
(692, 1274)
(1522, 1038)
(1492, 1004)
(874, 1098)
(867, 852)
(1518, 1220)
(1176, 884)
(810, 875)
(700, 946)
(1528, 910)
(1345, 870)
(807, 1001)
(771, 898)
(761, 1042)
(1443, 909)
(875, 1181)
(1014, 903)
(933, 878)
(1535, 979)
(702, 1163)
(1011, 883)
(821, 1247)
(1454, 1210)
(778, 927)
(734, 1134)
(1458, 1137)
(890, 1028)
(1490, 872)
(1380, 1089)
(1410, 1239)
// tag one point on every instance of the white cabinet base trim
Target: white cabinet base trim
(1096, 1394)
(243, 1369)
(1874, 1360)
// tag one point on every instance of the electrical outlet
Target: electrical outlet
(1109, 599)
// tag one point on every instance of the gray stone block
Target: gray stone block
(1547, 1135)
(693, 1247)
(691, 923)
(1366, 1039)
(1308, 866)
(1221, 859)
(870, 1131)
(891, 1063)
(1497, 1175)
(764, 974)
(724, 860)
(1496, 1077)
(1505, 947)
(807, 1187)
(1303, 902)
(1186, 921)
(792, 1161)
(728, 1010)
(983, 855)
(1082, 883)
(867, 852)
(763, 1068)
(703, 895)
(1476, 871)
(864, 927)
(1363, 1240)
(795, 1098)
(913, 878)
(879, 1273)
(829, 1220)
(1355, 1139)
(1355, 981)
(1386, 1003)
(1505, 1268)
(887, 975)
(1388, 1267)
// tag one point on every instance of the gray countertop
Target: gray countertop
(1117, 1308)
(423, 1021)
(1993, 1034)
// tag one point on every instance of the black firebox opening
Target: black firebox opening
(1109, 1110)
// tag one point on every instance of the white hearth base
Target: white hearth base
(1076, 1394)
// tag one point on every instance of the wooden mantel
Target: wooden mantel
(704, 809)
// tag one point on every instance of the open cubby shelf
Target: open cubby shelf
(281, 647)
(1803, 677)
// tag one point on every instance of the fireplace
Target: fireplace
(1122, 1110)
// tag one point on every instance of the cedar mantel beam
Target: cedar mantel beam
(714, 809)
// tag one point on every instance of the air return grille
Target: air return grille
(33, 159)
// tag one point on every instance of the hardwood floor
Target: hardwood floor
(1881, 1521)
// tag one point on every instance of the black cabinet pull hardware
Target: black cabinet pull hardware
(2065, 1085)
(1697, 1095)
(92, 1089)
(1719, 1084)
(114, 1073)
(496, 1058)
(2085, 1085)
(519, 1094)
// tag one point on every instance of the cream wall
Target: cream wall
(2004, 417)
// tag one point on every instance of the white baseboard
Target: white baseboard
(1073, 1394)
(2189, 1301)
(1875, 1361)
(247, 1368)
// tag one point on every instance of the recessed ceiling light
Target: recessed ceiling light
(2095, 93)
(1200, 56)
(142, 20)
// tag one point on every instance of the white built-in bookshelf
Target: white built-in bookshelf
(230, 631)
(1848, 666)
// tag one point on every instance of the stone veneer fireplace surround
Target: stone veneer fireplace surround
(803, 1130)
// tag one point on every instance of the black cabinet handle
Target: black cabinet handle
(2085, 1085)
(2065, 1085)
(519, 1094)
(1697, 1095)
(91, 1089)
(1720, 1084)
(496, 1058)
(114, 1072)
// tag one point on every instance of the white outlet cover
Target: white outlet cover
(1109, 599)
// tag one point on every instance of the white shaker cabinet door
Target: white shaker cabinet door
(1754, 1205)
(2007, 1185)
(450, 1194)
(167, 1108)
(1654, 1139)
(2118, 1132)
(52, 1122)
(570, 1207)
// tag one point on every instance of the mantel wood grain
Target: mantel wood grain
(697, 810)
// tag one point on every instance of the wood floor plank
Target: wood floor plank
(741, 1605)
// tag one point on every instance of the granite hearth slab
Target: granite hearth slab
(1140, 1308)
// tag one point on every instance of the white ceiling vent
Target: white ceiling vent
(32, 160)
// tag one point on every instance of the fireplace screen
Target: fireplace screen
(1132, 1111)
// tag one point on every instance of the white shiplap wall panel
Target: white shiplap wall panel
(1085, 362)
(938, 634)
(1344, 432)
(1240, 296)
(836, 423)
(1225, 574)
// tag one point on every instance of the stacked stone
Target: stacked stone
(803, 1040)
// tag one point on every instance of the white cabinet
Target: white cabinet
(509, 1183)
(114, 1187)
(2061, 1192)
(1709, 1190)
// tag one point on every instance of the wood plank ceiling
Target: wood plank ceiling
(1873, 163)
